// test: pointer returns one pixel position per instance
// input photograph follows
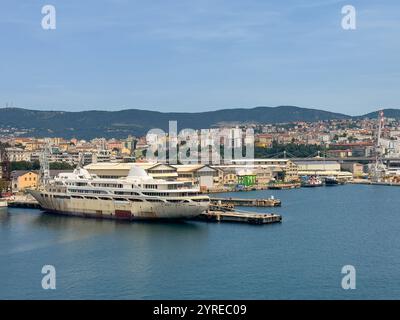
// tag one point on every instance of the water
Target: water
(323, 229)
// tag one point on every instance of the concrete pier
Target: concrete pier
(369, 182)
(242, 217)
(33, 204)
(283, 186)
(217, 213)
(247, 202)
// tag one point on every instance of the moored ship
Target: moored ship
(311, 181)
(137, 196)
(331, 181)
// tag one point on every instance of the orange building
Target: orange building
(22, 179)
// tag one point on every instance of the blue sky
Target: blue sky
(172, 55)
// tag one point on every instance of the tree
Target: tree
(297, 150)
(3, 185)
(35, 165)
(25, 165)
(61, 166)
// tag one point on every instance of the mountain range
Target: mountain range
(119, 124)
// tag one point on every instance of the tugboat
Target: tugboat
(331, 181)
(311, 181)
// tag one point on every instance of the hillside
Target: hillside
(389, 113)
(90, 124)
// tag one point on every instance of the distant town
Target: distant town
(347, 149)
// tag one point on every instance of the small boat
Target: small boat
(3, 204)
(311, 181)
(331, 181)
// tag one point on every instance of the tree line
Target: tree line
(35, 165)
(292, 149)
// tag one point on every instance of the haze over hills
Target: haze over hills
(118, 124)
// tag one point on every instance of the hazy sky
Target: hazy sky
(190, 55)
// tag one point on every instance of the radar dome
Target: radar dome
(136, 171)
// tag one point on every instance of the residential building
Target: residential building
(18, 154)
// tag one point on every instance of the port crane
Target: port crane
(379, 169)
(44, 163)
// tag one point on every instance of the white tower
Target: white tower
(379, 168)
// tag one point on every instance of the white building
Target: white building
(18, 154)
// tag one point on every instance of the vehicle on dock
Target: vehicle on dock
(239, 187)
(247, 202)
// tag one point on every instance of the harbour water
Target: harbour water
(323, 229)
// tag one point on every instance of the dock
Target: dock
(374, 183)
(217, 213)
(270, 202)
(24, 204)
(283, 186)
(242, 217)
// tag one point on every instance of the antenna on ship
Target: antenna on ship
(44, 163)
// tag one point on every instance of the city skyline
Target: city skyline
(181, 57)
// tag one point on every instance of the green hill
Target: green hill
(90, 124)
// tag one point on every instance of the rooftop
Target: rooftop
(315, 162)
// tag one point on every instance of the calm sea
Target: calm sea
(323, 229)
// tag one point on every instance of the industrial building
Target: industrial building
(322, 168)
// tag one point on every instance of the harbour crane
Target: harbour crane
(44, 163)
(378, 171)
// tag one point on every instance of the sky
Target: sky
(200, 55)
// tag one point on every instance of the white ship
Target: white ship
(137, 196)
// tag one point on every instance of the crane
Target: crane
(379, 168)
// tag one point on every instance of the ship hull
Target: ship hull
(121, 210)
(331, 182)
(311, 185)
